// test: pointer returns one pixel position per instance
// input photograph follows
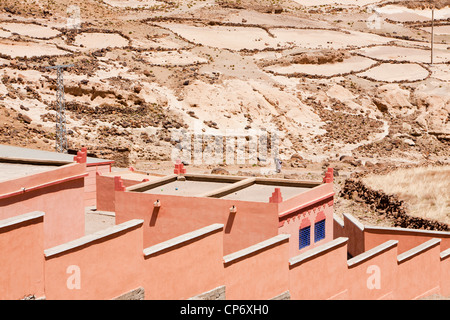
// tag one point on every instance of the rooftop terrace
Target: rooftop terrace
(26, 155)
(17, 162)
(225, 187)
(9, 171)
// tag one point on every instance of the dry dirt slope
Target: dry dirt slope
(322, 74)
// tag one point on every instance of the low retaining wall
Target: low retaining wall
(389, 205)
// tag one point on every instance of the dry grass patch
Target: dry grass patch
(425, 190)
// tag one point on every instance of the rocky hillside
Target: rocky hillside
(320, 74)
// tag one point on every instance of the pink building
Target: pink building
(105, 198)
(58, 184)
(46, 159)
(204, 237)
(251, 209)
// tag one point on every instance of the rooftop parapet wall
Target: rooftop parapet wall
(26, 155)
(36, 181)
(105, 189)
(230, 200)
(50, 165)
(319, 195)
(58, 192)
(247, 224)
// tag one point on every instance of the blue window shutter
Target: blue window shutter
(319, 230)
(304, 236)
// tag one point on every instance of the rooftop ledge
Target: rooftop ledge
(21, 218)
(370, 253)
(430, 232)
(445, 254)
(181, 239)
(92, 237)
(363, 227)
(317, 250)
(255, 247)
(416, 250)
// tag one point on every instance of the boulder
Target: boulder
(296, 156)
(345, 158)
(220, 171)
(25, 118)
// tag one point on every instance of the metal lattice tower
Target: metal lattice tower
(432, 34)
(61, 139)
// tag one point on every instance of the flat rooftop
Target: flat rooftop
(224, 187)
(9, 171)
(187, 188)
(17, 162)
(261, 193)
(17, 154)
(133, 175)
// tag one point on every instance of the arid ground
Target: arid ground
(350, 84)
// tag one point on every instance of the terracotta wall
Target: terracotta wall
(374, 274)
(99, 266)
(419, 273)
(112, 262)
(185, 267)
(352, 229)
(322, 192)
(445, 273)
(90, 186)
(304, 210)
(21, 256)
(321, 275)
(258, 272)
(253, 222)
(380, 273)
(363, 238)
(308, 216)
(105, 195)
(422, 269)
(407, 238)
(57, 193)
